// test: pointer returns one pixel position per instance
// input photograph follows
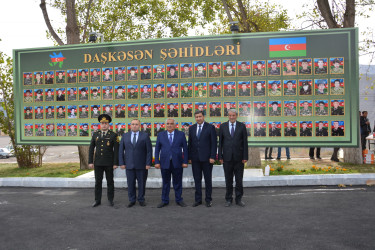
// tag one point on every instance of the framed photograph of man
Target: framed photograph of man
(27, 78)
(83, 75)
(120, 74)
(321, 107)
(146, 128)
(60, 112)
(39, 129)
(290, 87)
(172, 90)
(201, 106)
(186, 90)
(217, 126)
(132, 73)
(214, 89)
(200, 89)
(229, 69)
(95, 127)
(83, 94)
(107, 93)
(248, 128)
(320, 66)
(38, 78)
(120, 92)
(159, 90)
(289, 67)
(228, 106)
(95, 75)
(28, 128)
(200, 70)
(108, 109)
(132, 110)
(305, 128)
(50, 129)
(60, 76)
(321, 86)
(321, 128)
(146, 91)
(336, 65)
(260, 129)
(50, 112)
(158, 127)
(337, 128)
(132, 91)
(72, 94)
(159, 72)
(274, 67)
(243, 68)
(146, 110)
(274, 108)
(95, 93)
(244, 88)
(305, 87)
(28, 113)
(337, 107)
(72, 75)
(159, 110)
(107, 74)
(72, 129)
(72, 111)
(290, 108)
(214, 69)
(290, 128)
(186, 70)
(274, 88)
(244, 109)
(146, 72)
(61, 129)
(229, 89)
(305, 108)
(186, 109)
(49, 77)
(83, 111)
(120, 111)
(172, 109)
(50, 95)
(172, 71)
(304, 66)
(38, 95)
(95, 111)
(120, 129)
(259, 88)
(39, 112)
(274, 129)
(215, 109)
(27, 95)
(259, 108)
(83, 129)
(185, 127)
(337, 86)
(259, 67)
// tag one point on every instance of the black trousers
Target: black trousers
(99, 171)
(363, 141)
(335, 152)
(311, 152)
(206, 168)
(270, 152)
(235, 168)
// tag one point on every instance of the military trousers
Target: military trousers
(99, 172)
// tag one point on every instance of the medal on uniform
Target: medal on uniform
(107, 143)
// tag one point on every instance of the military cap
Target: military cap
(104, 118)
(320, 82)
(158, 67)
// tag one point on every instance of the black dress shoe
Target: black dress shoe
(197, 203)
(228, 203)
(271, 158)
(336, 160)
(96, 203)
(278, 159)
(181, 204)
(208, 204)
(142, 203)
(266, 158)
(131, 204)
(318, 158)
(312, 158)
(240, 203)
(111, 203)
(162, 204)
(288, 158)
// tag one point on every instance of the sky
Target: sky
(22, 24)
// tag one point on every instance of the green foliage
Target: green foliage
(67, 170)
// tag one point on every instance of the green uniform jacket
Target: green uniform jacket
(106, 149)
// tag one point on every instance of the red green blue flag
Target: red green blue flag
(285, 47)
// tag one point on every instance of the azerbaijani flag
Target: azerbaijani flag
(285, 47)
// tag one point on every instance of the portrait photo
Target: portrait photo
(304, 66)
(172, 71)
(72, 75)
(132, 72)
(274, 88)
(39, 112)
(72, 94)
(305, 108)
(186, 109)
(83, 75)
(50, 129)
(305, 87)
(321, 128)
(172, 90)
(259, 88)
(337, 65)
(146, 91)
(83, 129)
(186, 90)
(321, 107)
(259, 68)
(132, 110)
(146, 72)
(200, 89)
(337, 107)
(321, 86)
(120, 111)
(229, 69)
(244, 109)
(60, 76)
(72, 129)
(201, 106)
(146, 128)
(120, 74)
(50, 95)
(38, 95)
(290, 87)
(60, 112)
(27, 95)
(260, 129)
(159, 90)
(289, 67)
(172, 109)
(28, 113)
(159, 72)
(320, 66)
(132, 91)
(95, 93)
(108, 109)
(290, 108)
(27, 78)
(244, 88)
(274, 108)
(95, 75)
(28, 128)
(243, 68)
(145, 110)
(200, 70)
(72, 111)
(83, 94)
(259, 108)
(215, 109)
(337, 128)
(95, 111)
(49, 77)
(95, 127)
(61, 129)
(185, 127)
(186, 70)
(159, 110)
(107, 75)
(38, 78)
(274, 67)
(229, 89)
(120, 128)
(107, 93)
(274, 129)
(305, 128)
(158, 127)
(50, 112)
(83, 111)
(228, 106)
(337, 86)
(214, 69)
(290, 128)
(120, 92)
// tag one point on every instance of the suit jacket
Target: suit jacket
(138, 156)
(205, 147)
(106, 149)
(178, 151)
(236, 148)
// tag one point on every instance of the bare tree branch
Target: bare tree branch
(48, 22)
(72, 29)
(86, 22)
(325, 11)
(227, 10)
(349, 15)
(243, 16)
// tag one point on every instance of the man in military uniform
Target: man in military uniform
(186, 92)
(145, 74)
(259, 90)
(320, 69)
(229, 91)
(244, 91)
(49, 114)
(145, 112)
(72, 96)
(50, 131)
(200, 71)
(172, 112)
(71, 77)
(172, 72)
(186, 73)
(146, 129)
(107, 94)
(133, 76)
(60, 77)
(336, 67)
(289, 70)
(321, 130)
(201, 108)
(337, 90)
(119, 112)
(214, 92)
(274, 71)
(275, 111)
(120, 74)
(245, 110)
(306, 89)
(105, 144)
(27, 80)
(159, 74)
(83, 96)
(95, 112)
(229, 70)
(186, 112)
(244, 71)
(28, 131)
(39, 96)
(38, 80)
(158, 112)
(107, 110)
(60, 112)
(227, 107)
(336, 109)
(158, 93)
(95, 94)
(215, 71)
(274, 90)
(28, 97)
(305, 131)
(84, 113)
(120, 94)
(304, 68)
(274, 131)
(38, 114)
(258, 131)
(132, 112)
(60, 96)
(49, 97)
(107, 76)
(306, 111)
(336, 130)
(119, 130)
(95, 77)
(173, 93)
(132, 94)
(84, 77)
(321, 88)
(289, 131)
(290, 110)
(72, 114)
(259, 111)
(214, 111)
(158, 129)
(95, 128)
(145, 92)
(185, 129)
(39, 132)
(200, 92)
(61, 130)
(48, 79)
(259, 71)
(85, 128)
(321, 110)
(289, 89)
(28, 114)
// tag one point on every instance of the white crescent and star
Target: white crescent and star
(287, 47)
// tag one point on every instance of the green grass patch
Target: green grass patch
(67, 170)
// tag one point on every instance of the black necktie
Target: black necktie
(199, 131)
(135, 139)
(232, 131)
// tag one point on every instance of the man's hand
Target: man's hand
(91, 165)
(123, 166)
(212, 161)
(184, 165)
(221, 161)
(114, 166)
(244, 161)
(189, 161)
(157, 166)
(148, 167)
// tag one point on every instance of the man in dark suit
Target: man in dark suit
(365, 128)
(135, 155)
(202, 153)
(171, 154)
(233, 153)
(105, 143)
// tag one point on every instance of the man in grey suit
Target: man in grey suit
(135, 155)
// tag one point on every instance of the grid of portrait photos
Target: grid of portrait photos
(289, 97)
